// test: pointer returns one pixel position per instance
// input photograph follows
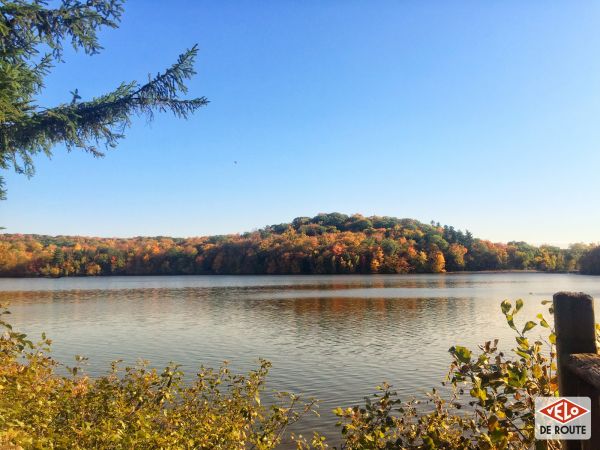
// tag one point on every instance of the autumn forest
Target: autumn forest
(325, 244)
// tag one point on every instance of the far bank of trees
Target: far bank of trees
(325, 244)
(590, 262)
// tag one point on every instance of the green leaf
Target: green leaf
(463, 354)
(505, 306)
(518, 306)
(510, 321)
(528, 326)
(479, 393)
(523, 342)
(498, 435)
(516, 377)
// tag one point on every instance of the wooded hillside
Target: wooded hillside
(325, 244)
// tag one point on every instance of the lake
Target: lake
(331, 337)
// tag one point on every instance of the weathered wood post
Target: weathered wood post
(575, 329)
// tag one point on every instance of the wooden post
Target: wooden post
(586, 368)
(575, 329)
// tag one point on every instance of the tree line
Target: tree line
(325, 244)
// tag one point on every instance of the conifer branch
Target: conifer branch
(26, 129)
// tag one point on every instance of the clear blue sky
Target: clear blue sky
(482, 115)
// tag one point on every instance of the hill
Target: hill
(325, 244)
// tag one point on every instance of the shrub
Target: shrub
(135, 407)
(491, 405)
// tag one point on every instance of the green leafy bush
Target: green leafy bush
(491, 405)
(133, 408)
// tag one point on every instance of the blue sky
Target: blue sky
(481, 115)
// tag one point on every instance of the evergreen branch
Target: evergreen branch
(26, 129)
(25, 24)
(86, 124)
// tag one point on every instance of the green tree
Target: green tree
(32, 36)
(358, 223)
(590, 262)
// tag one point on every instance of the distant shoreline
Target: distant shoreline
(465, 272)
(328, 244)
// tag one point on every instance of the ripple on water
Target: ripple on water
(334, 338)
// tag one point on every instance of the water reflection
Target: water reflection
(331, 337)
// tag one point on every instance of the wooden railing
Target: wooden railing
(577, 357)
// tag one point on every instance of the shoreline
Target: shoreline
(465, 272)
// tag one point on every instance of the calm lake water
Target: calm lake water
(331, 337)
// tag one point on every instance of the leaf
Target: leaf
(518, 306)
(542, 321)
(463, 354)
(528, 326)
(479, 393)
(523, 342)
(498, 436)
(505, 306)
(493, 422)
(510, 321)
(516, 378)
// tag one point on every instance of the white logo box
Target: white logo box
(564, 418)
